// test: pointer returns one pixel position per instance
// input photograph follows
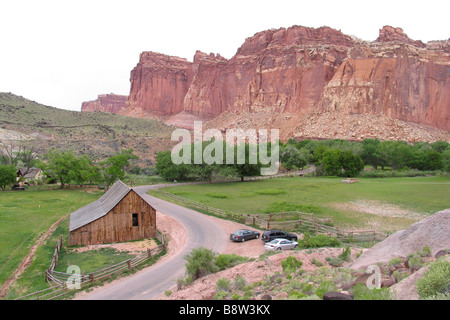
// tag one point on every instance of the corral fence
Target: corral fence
(59, 281)
(289, 221)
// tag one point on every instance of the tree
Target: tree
(247, 169)
(8, 175)
(369, 152)
(61, 165)
(342, 163)
(113, 168)
(292, 158)
(331, 160)
(352, 164)
(168, 170)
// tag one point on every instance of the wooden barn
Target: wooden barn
(121, 214)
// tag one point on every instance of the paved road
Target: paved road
(151, 282)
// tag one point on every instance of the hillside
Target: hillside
(97, 134)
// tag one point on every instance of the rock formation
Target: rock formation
(297, 71)
(106, 102)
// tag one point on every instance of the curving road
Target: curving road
(151, 282)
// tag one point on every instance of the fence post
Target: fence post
(129, 265)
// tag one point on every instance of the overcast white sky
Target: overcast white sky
(61, 53)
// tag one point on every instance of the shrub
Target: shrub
(324, 287)
(317, 241)
(426, 252)
(362, 292)
(290, 264)
(282, 206)
(200, 262)
(316, 262)
(334, 261)
(270, 192)
(240, 283)
(224, 284)
(415, 262)
(345, 255)
(435, 280)
(225, 261)
(217, 195)
(395, 261)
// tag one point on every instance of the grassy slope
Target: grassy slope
(329, 197)
(97, 134)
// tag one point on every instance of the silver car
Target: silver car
(281, 244)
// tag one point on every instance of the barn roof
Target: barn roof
(100, 207)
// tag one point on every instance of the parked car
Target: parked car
(280, 244)
(243, 235)
(270, 235)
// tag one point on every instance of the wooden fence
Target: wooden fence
(278, 220)
(59, 280)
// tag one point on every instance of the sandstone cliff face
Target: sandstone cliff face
(300, 70)
(158, 84)
(106, 102)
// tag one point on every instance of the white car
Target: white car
(281, 244)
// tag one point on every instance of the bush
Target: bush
(282, 206)
(270, 192)
(334, 261)
(217, 195)
(324, 287)
(361, 292)
(395, 261)
(317, 241)
(290, 264)
(345, 255)
(225, 261)
(435, 280)
(224, 284)
(200, 262)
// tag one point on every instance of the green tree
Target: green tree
(292, 158)
(61, 165)
(8, 175)
(352, 164)
(331, 160)
(341, 163)
(369, 152)
(168, 170)
(247, 169)
(113, 168)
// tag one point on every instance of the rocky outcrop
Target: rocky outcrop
(106, 102)
(432, 232)
(300, 70)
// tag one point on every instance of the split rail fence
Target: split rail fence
(60, 280)
(279, 220)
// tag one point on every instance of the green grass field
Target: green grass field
(385, 204)
(25, 215)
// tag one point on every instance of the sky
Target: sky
(61, 53)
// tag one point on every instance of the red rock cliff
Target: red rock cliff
(106, 102)
(301, 70)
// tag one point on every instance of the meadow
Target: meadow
(25, 215)
(385, 204)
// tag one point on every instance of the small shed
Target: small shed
(30, 175)
(121, 214)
